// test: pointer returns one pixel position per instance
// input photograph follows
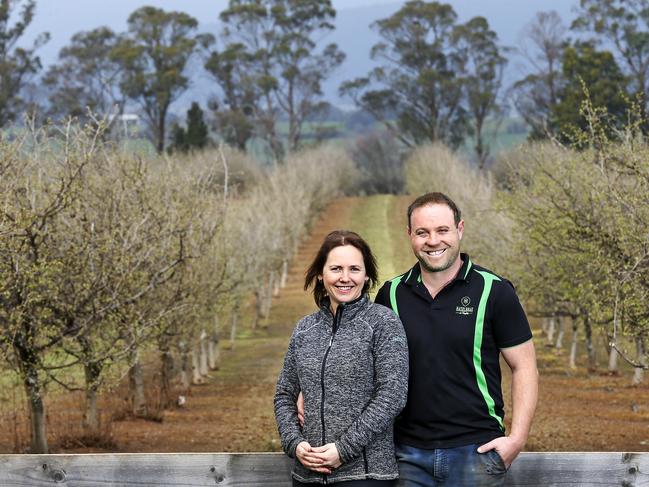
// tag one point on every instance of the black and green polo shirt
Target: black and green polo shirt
(454, 341)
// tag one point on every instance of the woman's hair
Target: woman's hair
(338, 238)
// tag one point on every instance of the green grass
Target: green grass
(379, 221)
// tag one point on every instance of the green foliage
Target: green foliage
(482, 68)
(17, 63)
(439, 80)
(270, 65)
(537, 94)
(593, 74)
(85, 78)
(154, 56)
(581, 218)
(195, 136)
(625, 25)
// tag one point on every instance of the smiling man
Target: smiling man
(459, 318)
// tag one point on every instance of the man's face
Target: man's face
(434, 237)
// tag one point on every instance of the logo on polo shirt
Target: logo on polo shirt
(464, 308)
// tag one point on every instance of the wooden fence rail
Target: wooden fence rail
(273, 469)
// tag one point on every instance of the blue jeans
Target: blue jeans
(450, 467)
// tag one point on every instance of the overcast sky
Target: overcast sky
(63, 18)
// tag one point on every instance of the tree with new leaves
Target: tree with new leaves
(37, 311)
(415, 92)
(155, 55)
(438, 80)
(582, 217)
(271, 66)
(590, 75)
(623, 24)
(85, 80)
(481, 67)
(536, 95)
(234, 110)
(17, 64)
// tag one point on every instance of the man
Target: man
(458, 319)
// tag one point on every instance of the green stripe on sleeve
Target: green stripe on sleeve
(468, 268)
(477, 347)
(393, 293)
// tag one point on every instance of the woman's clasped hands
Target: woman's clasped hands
(322, 459)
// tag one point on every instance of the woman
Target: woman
(350, 361)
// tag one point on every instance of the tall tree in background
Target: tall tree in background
(624, 24)
(155, 54)
(86, 77)
(17, 64)
(481, 69)
(279, 69)
(536, 95)
(586, 68)
(416, 93)
(235, 109)
(195, 136)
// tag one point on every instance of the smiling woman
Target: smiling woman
(349, 361)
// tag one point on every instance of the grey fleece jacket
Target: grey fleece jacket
(353, 372)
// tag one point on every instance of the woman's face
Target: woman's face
(343, 275)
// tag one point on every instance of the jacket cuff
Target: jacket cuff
(290, 451)
(343, 451)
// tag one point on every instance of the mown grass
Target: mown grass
(380, 221)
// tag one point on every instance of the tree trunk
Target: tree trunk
(137, 397)
(166, 375)
(276, 288)
(573, 347)
(38, 442)
(213, 346)
(284, 276)
(592, 356)
(561, 327)
(184, 367)
(259, 306)
(544, 326)
(233, 324)
(638, 373)
(550, 331)
(162, 118)
(268, 295)
(204, 369)
(196, 366)
(92, 372)
(613, 355)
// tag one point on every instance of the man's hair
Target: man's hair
(338, 238)
(435, 198)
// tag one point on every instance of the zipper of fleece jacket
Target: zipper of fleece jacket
(339, 312)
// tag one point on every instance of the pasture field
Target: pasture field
(579, 410)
